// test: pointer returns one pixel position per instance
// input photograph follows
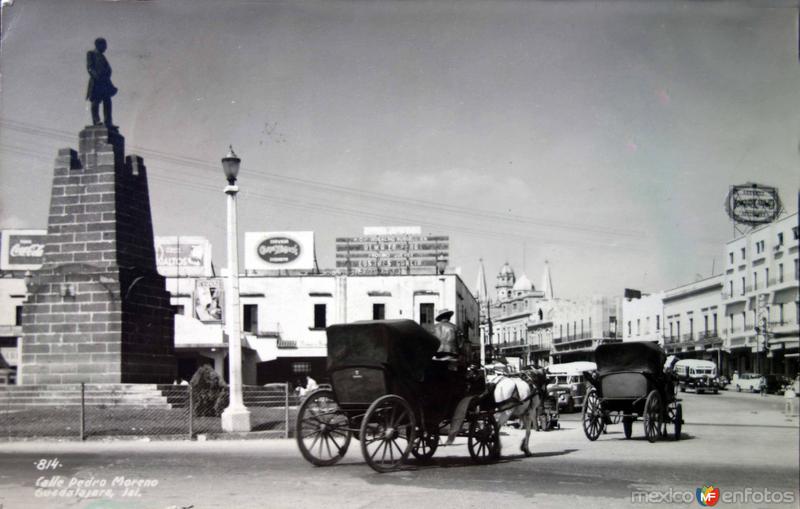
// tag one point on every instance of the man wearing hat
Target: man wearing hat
(450, 341)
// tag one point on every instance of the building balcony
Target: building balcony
(284, 344)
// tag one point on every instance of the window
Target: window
(714, 317)
(705, 324)
(780, 238)
(629, 328)
(638, 327)
(730, 257)
(795, 233)
(671, 335)
(379, 311)
(795, 268)
(730, 288)
(250, 318)
(760, 246)
(541, 315)
(744, 253)
(691, 326)
(658, 322)
(744, 320)
(300, 368)
(320, 311)
(780, 273)
(678, 328)
(426, 313)
(18, 315)
(647, 326)
(755, 280)
(743, 286)
(780, 314)
(766, 276)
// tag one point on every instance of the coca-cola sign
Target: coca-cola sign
(278, 250)
(753, 204)
(22, 249)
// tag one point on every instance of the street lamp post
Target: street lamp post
(236, 417)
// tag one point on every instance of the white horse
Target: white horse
(519, 397)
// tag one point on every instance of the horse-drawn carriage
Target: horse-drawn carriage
(631, 382)
(390, 394)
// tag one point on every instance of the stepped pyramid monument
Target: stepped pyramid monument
(97, 311)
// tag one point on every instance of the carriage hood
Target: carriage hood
(402, 345)
(630, 356)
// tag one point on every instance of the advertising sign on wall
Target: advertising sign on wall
(391, 250)
(208, 299)
(22, 249)
(183, 256)
(278, 250)
(753, 204)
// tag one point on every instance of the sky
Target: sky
(602, 137)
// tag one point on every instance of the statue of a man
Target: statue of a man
(100, 87)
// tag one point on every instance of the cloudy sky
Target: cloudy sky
(601, 136)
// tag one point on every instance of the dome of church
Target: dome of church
(523, 284)
(506, 270)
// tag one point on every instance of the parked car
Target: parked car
(723, 382)
(566, 382)
(697, 374)
(746, 382)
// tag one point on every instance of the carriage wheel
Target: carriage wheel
(387, 433)
(322, 429)
(483, 440)
(652, 416)
(593, 416)
(675, 418)
(424, 445)
(627, 426)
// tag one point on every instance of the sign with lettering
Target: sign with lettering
(391, 253)
(183, 256)
(22, 249)
(208, 299)
(279, 250)
(753, 204)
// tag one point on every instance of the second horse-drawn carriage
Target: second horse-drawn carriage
(630, 383)
(393, 396)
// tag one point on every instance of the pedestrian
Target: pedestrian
(762, 385)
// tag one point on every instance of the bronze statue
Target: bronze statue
(100, 87)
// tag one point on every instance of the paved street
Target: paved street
(731, 440)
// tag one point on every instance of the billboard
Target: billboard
(753, 204)
(22, 249)
(278, 250)
(183, 256)
(208, 301)
(392, 251)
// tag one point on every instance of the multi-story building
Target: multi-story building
(693, 321)
(284, 317)
(760, 298)
(579, 326)
(644, 318)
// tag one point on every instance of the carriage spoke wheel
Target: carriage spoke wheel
(675, 419)
(652, 416)
(387, 433)
(483, 440)
(322, 429)
(425, 444)
(593, 416)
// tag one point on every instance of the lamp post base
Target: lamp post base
(236, 419)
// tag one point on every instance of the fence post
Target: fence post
(191, 412)
(286, 410)
(83, 411)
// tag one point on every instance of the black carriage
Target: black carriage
(631, 383)
(390, 394)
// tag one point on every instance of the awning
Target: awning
(785, 296)
(734, 308)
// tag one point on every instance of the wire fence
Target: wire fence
(86, 411)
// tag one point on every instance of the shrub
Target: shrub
(222, 401)
(206, 387)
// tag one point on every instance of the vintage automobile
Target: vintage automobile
(697, 374)
(568, 383)
(746, 382)
(389, 394)
(631, 383)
